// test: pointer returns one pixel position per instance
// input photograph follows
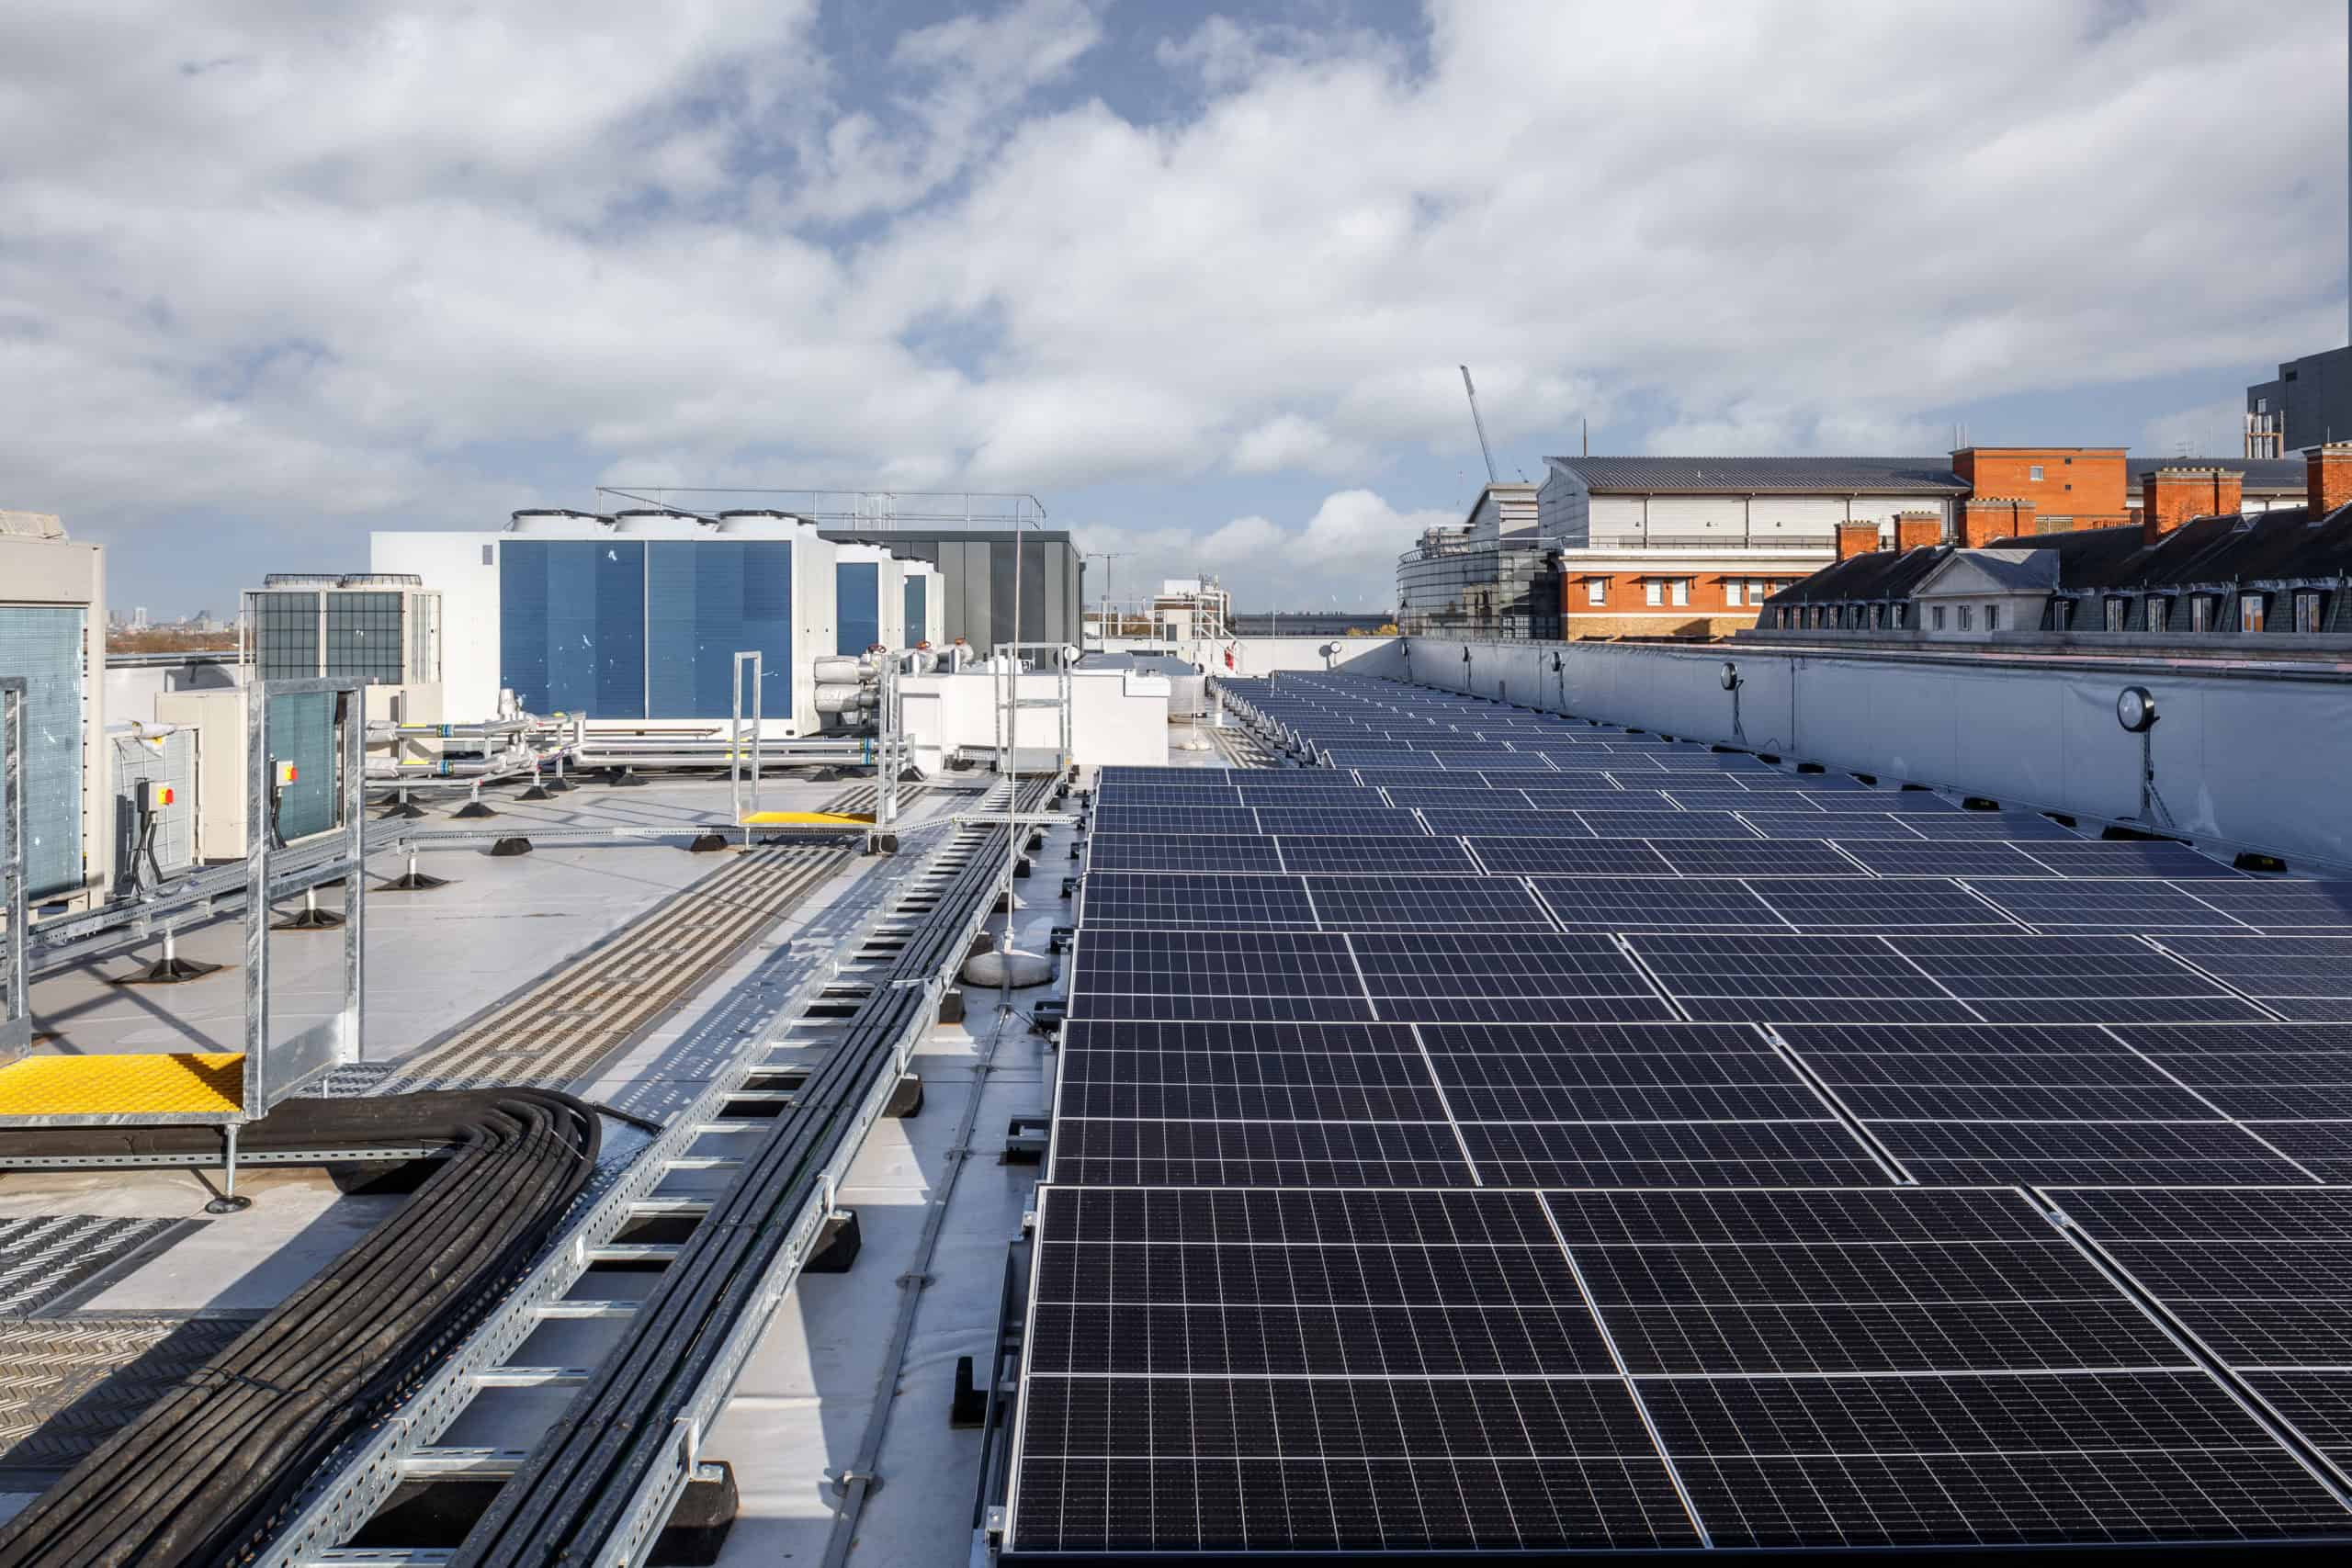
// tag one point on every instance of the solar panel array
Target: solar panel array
(1629, 1145)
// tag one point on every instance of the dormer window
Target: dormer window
(2118, 615)
(2159, 612)
(2311, 610)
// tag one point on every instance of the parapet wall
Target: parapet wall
(2247, 758)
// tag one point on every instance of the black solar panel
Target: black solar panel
(1666, 824)
(2123, 905)
(1571, 857)
(1648, 903)
(1384, 1215)
(1374, 854)
(1145, 901)
(1182, 852)
(1207, 974)
(1501, 977)
(1751, 857)
(1424, 903)
(2280, 906)
(1354, 822)
(1223, 819)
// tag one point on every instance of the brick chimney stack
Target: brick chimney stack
(1856, 539)
(2172, 496)
(1984, 518)
(1916, 529)
(2327, 477)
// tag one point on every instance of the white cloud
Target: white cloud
(296, 270)
(2210, 430)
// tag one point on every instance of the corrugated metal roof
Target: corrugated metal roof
(1737, 476)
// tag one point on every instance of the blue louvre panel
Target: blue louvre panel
(918, 609)
(857, 605)
(301, 731)
(707, 601)
(44, 645)
(571, 626)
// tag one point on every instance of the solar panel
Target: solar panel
(2263, 1277)
(1666, 824)
(1857, 904)
(1165, 795)
(2046, 1153)
(2295, 977)
(2092, 857)
(1181, 851)
(1116, 818)
(1330, 797)
(1482, 798)
(1571, 857)
(2129, 906)
(2259, 1072)
(1294, 1287)
(1355, 822)
(1146, 900)
(1424, 903)
(1388, 759)
(1668, 1153)
(1754, 857)
(1213, 974)
(1501, 977)
(1639, 904)
(1372, 855)
(1246, 1072)
(1459, 822)
(1904, 802)
(2019, 825)
(2280, 907)
(1780, 979)
(1916, 858)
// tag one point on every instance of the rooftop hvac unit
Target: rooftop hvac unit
(635, 626)
(657, 523)
(757, 523)
(539, 519)
(870, 599)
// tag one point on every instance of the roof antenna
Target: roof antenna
(1491, 477)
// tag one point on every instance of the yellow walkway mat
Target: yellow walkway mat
(210, 1084)
(818, 819)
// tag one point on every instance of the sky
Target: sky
(1197, 277)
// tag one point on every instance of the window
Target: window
(2200, 612)
(2262, 405)
(2119, 614)
(2034, 472)
(1730, 591)
(1877, 614)
(1939, 618)
(2159, 612)
(2250, 608)
(1964, 618)
(2309, 604)
(1653, 592)
(1992, 617)
(1595, 591)
(1682, 586)
(1896, 614)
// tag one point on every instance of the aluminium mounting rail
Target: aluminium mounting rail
(903, 929)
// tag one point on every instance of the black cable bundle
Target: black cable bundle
(210, 1468)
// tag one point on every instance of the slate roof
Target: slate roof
(1760, 475)
(2264, 475)
(1874, 575)
(2280, 546)
(2024, 569)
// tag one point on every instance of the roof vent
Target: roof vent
(31, 525)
